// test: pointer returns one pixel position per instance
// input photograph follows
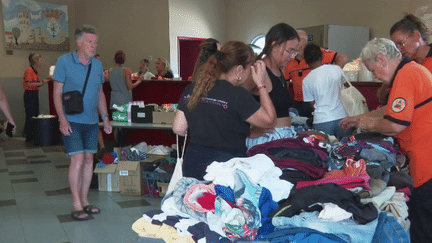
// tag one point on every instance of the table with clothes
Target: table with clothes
(310, 188)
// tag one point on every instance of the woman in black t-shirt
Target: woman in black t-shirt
(281, 44)
(218, 110)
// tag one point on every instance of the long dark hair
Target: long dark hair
(279, 34)
(233, 53)
(410, 23)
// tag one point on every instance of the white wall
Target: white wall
(248, 18)
(138, 27)
(194, 18)
(12, 69)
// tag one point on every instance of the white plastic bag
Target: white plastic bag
(353, 101)
(178, 172)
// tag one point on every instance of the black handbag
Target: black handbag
(73, 100)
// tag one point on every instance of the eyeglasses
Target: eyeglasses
(292, 52)
(402, 43)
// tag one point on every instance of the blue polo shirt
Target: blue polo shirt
(72, 73)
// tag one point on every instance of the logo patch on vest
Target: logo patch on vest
(398, 105)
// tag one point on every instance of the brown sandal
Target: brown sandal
(76, 215)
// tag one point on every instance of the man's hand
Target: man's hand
(65, 127)
(107, 126)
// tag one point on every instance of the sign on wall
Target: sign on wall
(32, 25)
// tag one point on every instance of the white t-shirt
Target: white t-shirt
(322, 85)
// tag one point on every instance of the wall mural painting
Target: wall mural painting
(32, 25)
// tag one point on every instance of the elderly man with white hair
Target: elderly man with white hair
(408, 117)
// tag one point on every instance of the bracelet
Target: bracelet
(104, 115)
(262, 86)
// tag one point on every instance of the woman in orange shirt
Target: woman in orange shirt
(31, 84)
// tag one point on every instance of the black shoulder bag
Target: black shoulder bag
(73, 100)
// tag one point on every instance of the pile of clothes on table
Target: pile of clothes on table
(310, 188)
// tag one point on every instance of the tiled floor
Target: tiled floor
(35, 201)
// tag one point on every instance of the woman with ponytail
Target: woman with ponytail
(203, 54)
(281, 45)
(218, 111)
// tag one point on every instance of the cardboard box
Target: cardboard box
(131, 175)
(156, 183)
(142, 114)
(108, 178)
(163, 117)
(130, 178)
(163, 188)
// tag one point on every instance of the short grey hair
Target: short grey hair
(89, 29)
(380, 45)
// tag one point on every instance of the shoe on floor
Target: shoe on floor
(78, 215)
(90, 209)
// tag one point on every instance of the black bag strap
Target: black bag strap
(85, 83)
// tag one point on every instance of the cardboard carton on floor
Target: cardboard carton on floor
(163, 188)
(131, 182)
(131, 175)
(108, 178)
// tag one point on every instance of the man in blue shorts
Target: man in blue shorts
(80, 131)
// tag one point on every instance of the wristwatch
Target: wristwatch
(104, 115)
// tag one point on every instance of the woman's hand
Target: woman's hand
(259, 73)
(368, 123)
(351, 121)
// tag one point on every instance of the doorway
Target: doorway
(188, 54)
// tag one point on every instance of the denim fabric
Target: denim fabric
(384, 159)
(420, 213)
(31, 106)
(83, 139)
(389, 230)
(303, 235)
(332, 128)
(359, 233)
(197, 158)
